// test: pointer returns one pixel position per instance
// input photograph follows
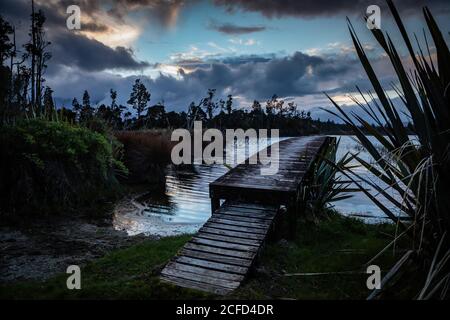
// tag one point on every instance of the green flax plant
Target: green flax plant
(416, 171)
(326, 185)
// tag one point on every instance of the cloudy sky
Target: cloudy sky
(251, 49)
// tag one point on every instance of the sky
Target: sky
(251, 49)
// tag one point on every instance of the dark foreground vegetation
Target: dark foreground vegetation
(324, 261)
(416, 170)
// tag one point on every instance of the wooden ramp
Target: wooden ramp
(219, 257)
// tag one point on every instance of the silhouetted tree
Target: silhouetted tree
(6, 51)
(76, 106)
(209, 104)
(292, 109)
(156, 116)
(49, 105)
(139, 98)
(229, 104)
(86, 111)
(36, 51)
(6, 45)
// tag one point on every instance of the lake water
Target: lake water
(185, 204)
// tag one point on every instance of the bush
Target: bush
(51, 166)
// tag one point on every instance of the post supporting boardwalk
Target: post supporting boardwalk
(219, 257)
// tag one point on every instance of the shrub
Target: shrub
(324, 186)
(52, 166)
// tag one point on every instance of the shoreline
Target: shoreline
(45, 247)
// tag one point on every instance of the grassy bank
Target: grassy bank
(339, 244)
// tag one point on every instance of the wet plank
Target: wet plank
(222, 226)
(191, 284)
(224, 245)
(204, 272)
(203, 278)
(242, 218)
(229, 268)
(217, 237)
(229, 233)
(224, 252)
(208, 256)
(238, 223)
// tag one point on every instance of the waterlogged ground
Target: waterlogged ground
(42, 247)
(184, 205)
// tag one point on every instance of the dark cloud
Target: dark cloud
(229, 28)
(243, 59)
(87, 54)
(312, 8)
(70, 48)
(295, 75)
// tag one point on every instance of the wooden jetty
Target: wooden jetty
(219, 257)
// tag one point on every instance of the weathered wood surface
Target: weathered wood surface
(219, 257)
(246, 182)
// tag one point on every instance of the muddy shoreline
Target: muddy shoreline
(44, 247)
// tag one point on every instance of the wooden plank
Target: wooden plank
(259, 182)
(174, 265)
(200, 278)
(238, 223)
(245, 214)
(230, 233)
(267, 217)
(224, 245)
(235, 228)
(256, 211)
(217, 237)
(216, 257)
(262, 207)
(212, 265)
(265, 222)
(215, 289)
(250, 186)
(225, 252)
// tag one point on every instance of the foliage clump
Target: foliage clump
(47, 166)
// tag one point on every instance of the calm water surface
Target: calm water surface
(185, 205)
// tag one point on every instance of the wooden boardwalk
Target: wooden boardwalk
(219, 257)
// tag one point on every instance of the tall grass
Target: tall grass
(146, 154)
(416, 173)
